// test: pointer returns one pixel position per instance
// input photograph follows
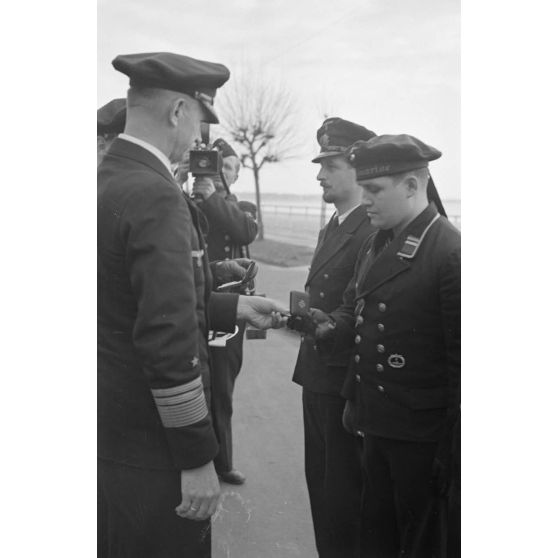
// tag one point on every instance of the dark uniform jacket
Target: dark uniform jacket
(330, 272)
(401, 314)
(230, 228)
(154, 309)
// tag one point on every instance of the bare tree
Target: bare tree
(256, 112)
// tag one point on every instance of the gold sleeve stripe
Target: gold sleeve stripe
(181, 405)
(178, 417)
(169, 392)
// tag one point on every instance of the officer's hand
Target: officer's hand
(260, 312)
(349, 417)
(203, 186)
(200, 492)
(324, 324)
(231, 270)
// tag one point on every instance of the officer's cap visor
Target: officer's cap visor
(327, 154)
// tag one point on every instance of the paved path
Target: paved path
(268, 517)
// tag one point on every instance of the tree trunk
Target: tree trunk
(258, 203)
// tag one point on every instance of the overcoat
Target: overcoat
(401, 316)
(154, 309)
(330, 271)
(230, 228)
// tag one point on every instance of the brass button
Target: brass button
(357, 358)
(322, 295)
(315, 347)
(358, 339)
(357, 378)
(227, 248)
(381, 389)
(382, 307)
(379, 368)
(360, 433)
(381, 348)
(326, 276)
(381, 327)
(359, 320)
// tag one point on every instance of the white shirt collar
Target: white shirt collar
(341, 218)
(151, 148)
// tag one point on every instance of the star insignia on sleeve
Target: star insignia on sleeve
(195, 361)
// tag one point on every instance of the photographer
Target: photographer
(111, 119)
(232, 226)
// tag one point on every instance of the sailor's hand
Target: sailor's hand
(324, 324)
(260, 312)
(349, 423)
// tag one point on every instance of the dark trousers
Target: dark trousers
(137, 517)
(225, 367)
(397, 493)
(333, 476)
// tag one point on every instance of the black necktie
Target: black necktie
(331, 226)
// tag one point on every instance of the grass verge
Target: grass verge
(280, 254)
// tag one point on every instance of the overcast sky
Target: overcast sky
(391, 65)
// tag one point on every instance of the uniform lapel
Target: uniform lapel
(396, 257)
(335, 240)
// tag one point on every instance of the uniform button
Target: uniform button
(381, 327)
(381, 389)
(358, 339)
(357, 378)
(360, 433)
(357, 358)
(379, 367)
(315, 347)
(382, 307)
(326, 276)
(380, 348)
(227, 248)
(322, 295)
(359, 320)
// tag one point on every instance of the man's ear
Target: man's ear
(177, 106)
(412, 185)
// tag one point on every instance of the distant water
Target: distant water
(453, 206)
(297, 219)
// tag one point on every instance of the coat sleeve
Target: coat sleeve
(450, 303)
(222, 311)
(239, 225)
(157, 229)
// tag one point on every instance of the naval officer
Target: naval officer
(156, 444)
(331, 457)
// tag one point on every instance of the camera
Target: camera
(205, 162)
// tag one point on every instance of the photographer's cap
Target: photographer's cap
(335, 135)
(390, 154)
(111, 118)
(164, 70)
(225, 149)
